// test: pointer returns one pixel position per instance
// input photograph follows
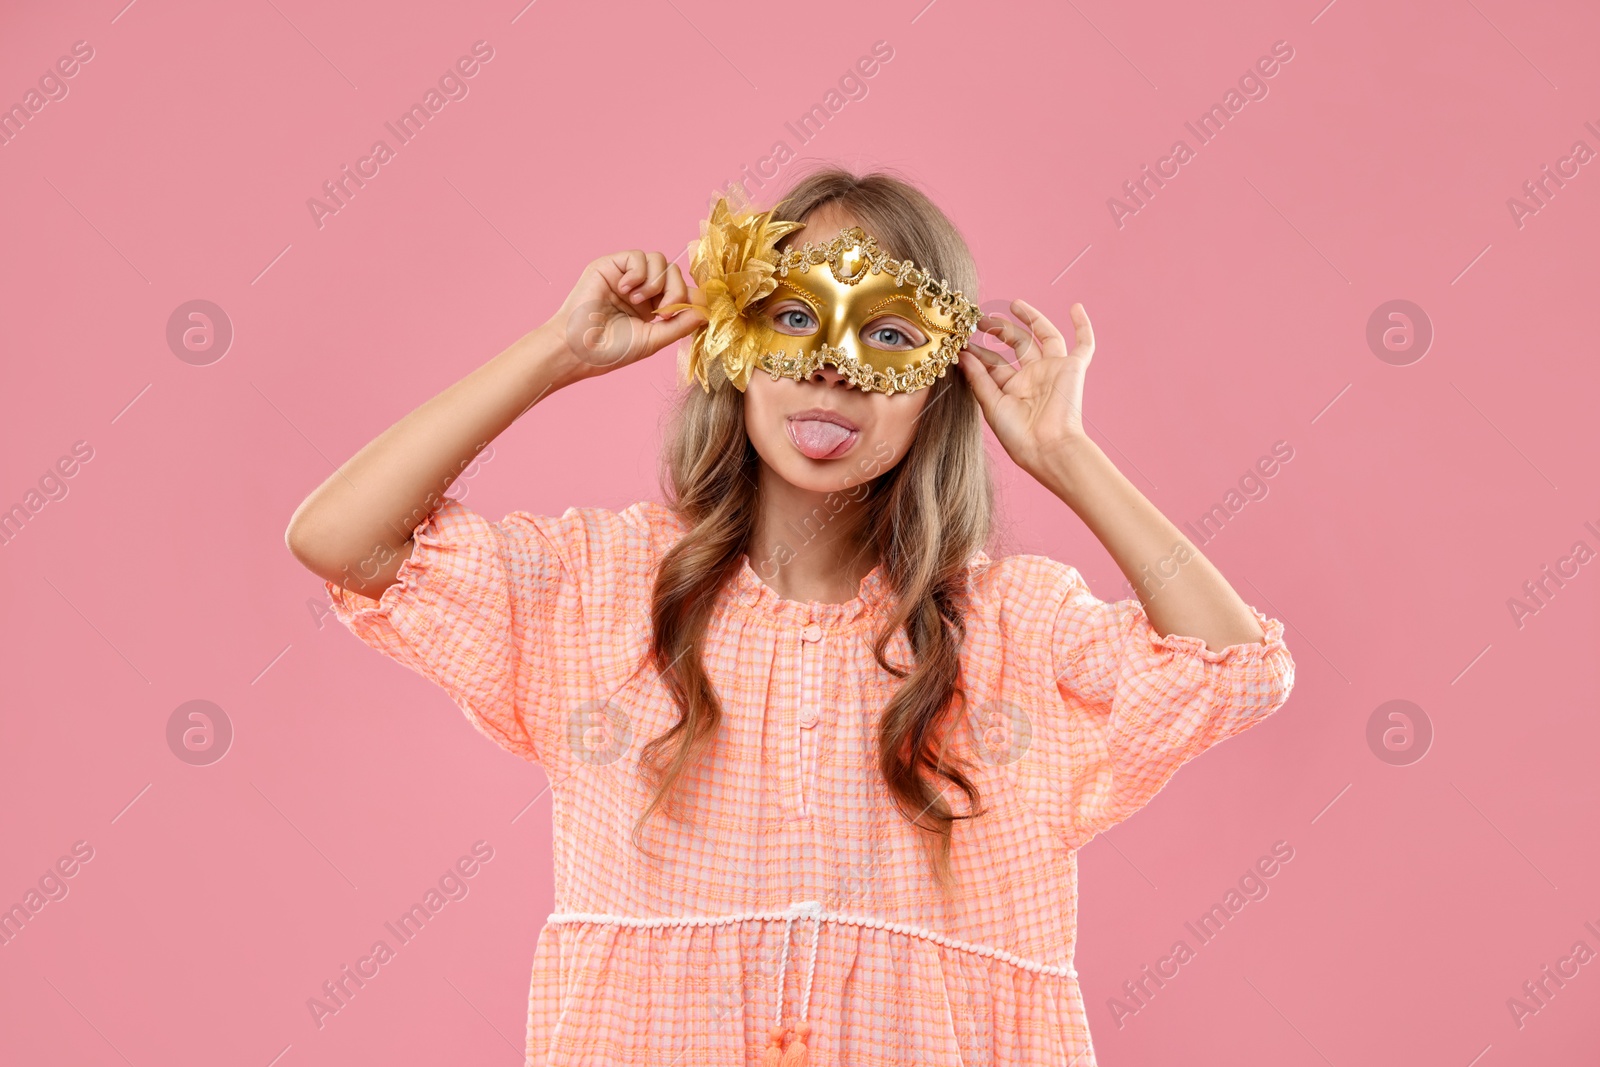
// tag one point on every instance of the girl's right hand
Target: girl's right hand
(606, 321)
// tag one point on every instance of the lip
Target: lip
(824, 415)
(830, 416)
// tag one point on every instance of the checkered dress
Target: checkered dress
(789, 890)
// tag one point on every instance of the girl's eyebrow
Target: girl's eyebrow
(883, 306)
(916, 317)
(805, 296)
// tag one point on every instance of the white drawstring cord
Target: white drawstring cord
(804, 908)
(787, 1046)
(783, 971)
(815, 907)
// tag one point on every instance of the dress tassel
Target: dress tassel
(772, 1055)
(797, 1055)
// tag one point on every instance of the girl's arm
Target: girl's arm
(1181, 591)
(1036, 409)
(355, 528)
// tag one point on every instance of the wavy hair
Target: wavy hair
(923, 519)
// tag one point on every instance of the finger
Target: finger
(982, 383)
(1083, 333)
(674, 290)
(693, 301)
(633, 269)
(613, 270)
(995, 363)
(991, 357)
(1049, 337)
(987, 328)
(1011, 335)
(983, 335)
(660, 334)
(655, 265)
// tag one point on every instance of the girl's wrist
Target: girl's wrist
(545, 362)
(1069, 467)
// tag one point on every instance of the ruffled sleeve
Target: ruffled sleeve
(492, 612)
(1136, 704)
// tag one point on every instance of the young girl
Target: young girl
(821, 766)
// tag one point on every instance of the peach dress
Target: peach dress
(790, 900)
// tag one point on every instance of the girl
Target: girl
(821, 766)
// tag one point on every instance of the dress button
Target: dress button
(812, 633)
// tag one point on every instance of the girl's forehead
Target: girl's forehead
(823, 224)
(834, 212)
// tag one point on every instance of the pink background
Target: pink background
(1231, 313)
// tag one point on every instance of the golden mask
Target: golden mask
(841, 287)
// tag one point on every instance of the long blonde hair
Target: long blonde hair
(925, 518)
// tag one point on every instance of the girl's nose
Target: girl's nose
(828, 374)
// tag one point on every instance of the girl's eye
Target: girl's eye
(796, 319)
(885, 334)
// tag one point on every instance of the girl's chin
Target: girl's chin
(805, 475)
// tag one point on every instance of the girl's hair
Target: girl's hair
(924, 518)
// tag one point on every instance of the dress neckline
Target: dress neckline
(871, 597)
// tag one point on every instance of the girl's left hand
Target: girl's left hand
(1036, 407)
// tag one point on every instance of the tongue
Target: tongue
(817, 439)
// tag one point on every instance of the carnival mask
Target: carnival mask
(842, 287)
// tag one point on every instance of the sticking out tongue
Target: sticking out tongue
(819, 440)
